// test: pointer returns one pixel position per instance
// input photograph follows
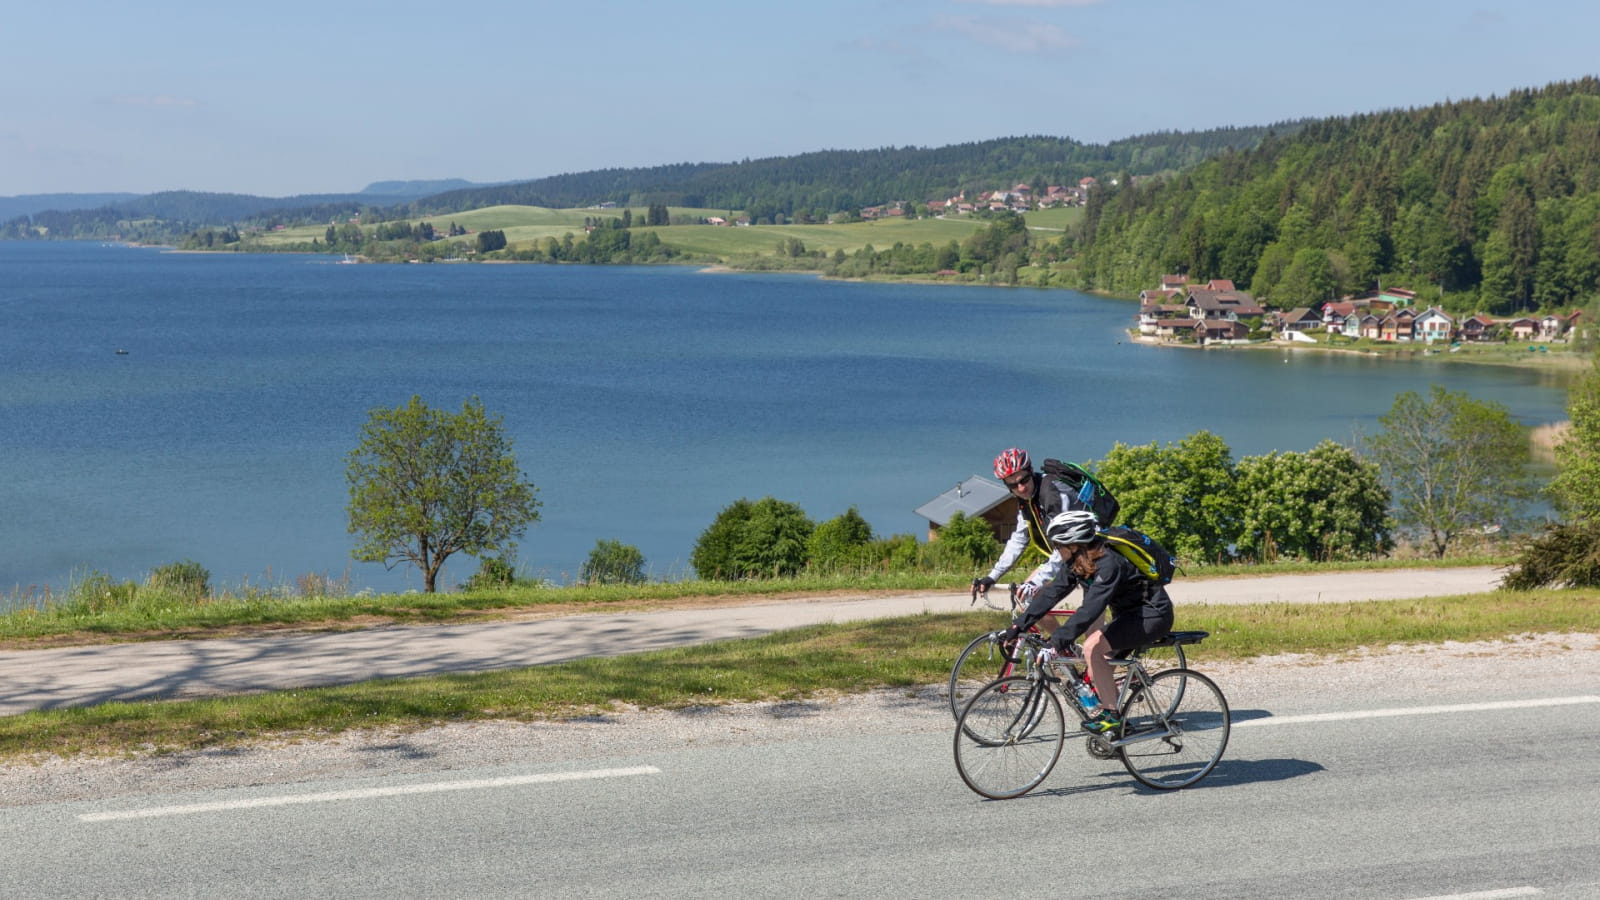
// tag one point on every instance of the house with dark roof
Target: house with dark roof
(1205, 303)
(974, 497)
(1479, 328)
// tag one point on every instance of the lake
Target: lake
(641, 400)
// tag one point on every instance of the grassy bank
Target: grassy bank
(821, 660)
(96, 611)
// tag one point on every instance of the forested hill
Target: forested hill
(1495, 201)
(826, 181)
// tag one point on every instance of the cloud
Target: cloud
(1016, 36)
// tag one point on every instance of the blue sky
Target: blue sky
(293, 97)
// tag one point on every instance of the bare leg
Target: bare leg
(1097, 652)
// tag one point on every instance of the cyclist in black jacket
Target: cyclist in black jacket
(1139, 608)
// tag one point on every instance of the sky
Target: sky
(292, 97)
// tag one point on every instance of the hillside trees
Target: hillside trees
(1490, 200)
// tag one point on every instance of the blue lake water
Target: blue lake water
(641, 400)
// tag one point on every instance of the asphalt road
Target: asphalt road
(1376, 796)
(83, 676)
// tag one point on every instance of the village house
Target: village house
(1433, 326)
(1334, 314)
(1154, 316)
(1479, 328)
(1372, 326)
(976, 498)
(1522, 329)
(1298, 319)
(1553, 327)
(1220, 330)
(1208, 303)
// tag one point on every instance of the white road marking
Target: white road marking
(364, 794)
(1415, 711)
(1501, 894)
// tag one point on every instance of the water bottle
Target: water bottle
(1087, 698)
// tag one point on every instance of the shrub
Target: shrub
(969, 541)
(493, 572)
(766, 538)
(1565, 555)
(613, 562)
(187, 580)
(839, 542)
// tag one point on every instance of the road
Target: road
(1465, 772)
(1382, 796)
(83, 676)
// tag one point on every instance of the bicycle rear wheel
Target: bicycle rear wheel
(1009, 738)
(983, 660)
(1177, 727)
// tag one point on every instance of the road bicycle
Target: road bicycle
(986, 658)
(1175, 726)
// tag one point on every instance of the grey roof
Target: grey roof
(972, 497)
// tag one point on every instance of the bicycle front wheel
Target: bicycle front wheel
(981, 662)
(1009, 738)
(1174, 730)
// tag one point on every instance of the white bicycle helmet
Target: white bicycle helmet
(1075, 526)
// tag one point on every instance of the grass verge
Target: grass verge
(152, 614)
(805, 662)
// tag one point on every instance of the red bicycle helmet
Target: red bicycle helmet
(1011, 462)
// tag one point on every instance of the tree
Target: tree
(613, 562)
(1452, 463)
(1576, 487)
(426, 484)
(1322, 505)
(1182, 495)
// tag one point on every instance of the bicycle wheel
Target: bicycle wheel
(1009, 738)
(1154, 660)
(981, 662)
(1175, 730)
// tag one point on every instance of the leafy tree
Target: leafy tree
(613, 562)
(1322, 505)
(1182, 495)
(1576, 486)
(426, 484)
(1452, 463)
(766, 538)
(839, 541)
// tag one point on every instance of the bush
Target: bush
(969, 540)
(1565, 555)
(494, 572)
(613, 562)
(187, 580)
(97, 593)
(762, 539)
(839, 542)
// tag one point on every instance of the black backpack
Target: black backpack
(1086, 491)
(1150, 558)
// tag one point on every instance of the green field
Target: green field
(1058, 219)
(525, 225)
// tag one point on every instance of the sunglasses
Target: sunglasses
(1019, 482)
